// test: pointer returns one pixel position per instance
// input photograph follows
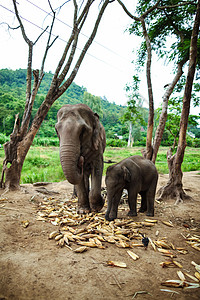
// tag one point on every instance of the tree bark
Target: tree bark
(174, 186)
(149, 149)
(163, 115)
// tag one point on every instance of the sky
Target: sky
(109, 63)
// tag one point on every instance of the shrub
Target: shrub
(42, 141)
(115, 143)
(196, 143)
(3, 138)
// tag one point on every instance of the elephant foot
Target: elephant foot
(83, 210)
(132, 213)
(142, 210)
(96, 206)
(109, 218)
(96, 209)
(150, 214)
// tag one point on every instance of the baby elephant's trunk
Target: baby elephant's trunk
(107, 215)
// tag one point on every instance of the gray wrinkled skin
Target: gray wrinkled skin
(82, 143)
(137, 175)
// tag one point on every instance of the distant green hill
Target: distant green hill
(12, 101)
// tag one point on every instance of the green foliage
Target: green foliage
(171, 26)
(133, 112)
(115, 143)
(12, 101)
(171, 132)
(3, 138)
(135, 116)
(43, 163)
(42, 141)
(93, 102)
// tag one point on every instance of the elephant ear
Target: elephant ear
(97, 132)
(127, 174)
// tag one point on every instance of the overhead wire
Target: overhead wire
(89, 54)
(80, 32)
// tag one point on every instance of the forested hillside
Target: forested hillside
(12, 101)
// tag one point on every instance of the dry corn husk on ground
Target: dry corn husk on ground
(90, 230)
(194, 241)
(119, 264)
(79, 233)
(81, 274)
(93, 231)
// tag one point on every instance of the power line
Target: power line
(71, 28)
(93, 56)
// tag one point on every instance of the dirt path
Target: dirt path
(32, 266)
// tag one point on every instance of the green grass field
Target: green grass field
(43, 163)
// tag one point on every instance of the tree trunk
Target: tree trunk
(15, 153)
(174, 186)
(163, 115)
(149, 149)
(130, 135)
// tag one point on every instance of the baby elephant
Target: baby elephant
(137, 175)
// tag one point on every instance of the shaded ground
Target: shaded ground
(32, 266)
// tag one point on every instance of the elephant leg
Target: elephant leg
(74, 195)
(95, 198)
(143, 207)
(113, 204)
(83, 200)
(151, 197)
(132, 201)
(86, 182)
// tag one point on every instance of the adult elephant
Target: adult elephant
(82, 143)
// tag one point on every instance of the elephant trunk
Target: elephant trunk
(72, 163)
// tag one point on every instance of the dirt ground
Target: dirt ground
(32, 266)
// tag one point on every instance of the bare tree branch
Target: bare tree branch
(59, 8)
(21, 24)
(9, 27)
(144, 15)
(20, 144)
(63, 88)
(127, 11)
(30, 95)
(40, 35)
(48, 42)
(76, 31)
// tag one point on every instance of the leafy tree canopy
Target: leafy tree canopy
(169, 29)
